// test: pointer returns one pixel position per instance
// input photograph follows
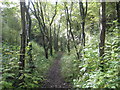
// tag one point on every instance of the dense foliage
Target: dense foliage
(10, 67)
(87, 73)
(72, 28)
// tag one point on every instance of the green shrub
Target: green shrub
(10, 69)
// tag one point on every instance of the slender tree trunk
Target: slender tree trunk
(83, 33)
(118, 11)
(83, 13)
(46, 53)
(67, 24)
(23, 36)
(102, 32)
(70, 31)
(28, 36)
(118, 17)
(50, 44)
(77, 53)
(45, 47)
(51, 51)
(68, 39)
(23, 40)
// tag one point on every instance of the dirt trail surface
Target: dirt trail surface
(54, 77)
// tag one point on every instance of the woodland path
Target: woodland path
(54, 77)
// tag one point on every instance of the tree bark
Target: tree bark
(50, 44)
(68, 32)
(51, 51)
(83, 13)
(102, 32)
(23, 41)
(23, 36)
(118, 17)
(118, 11)
(28, 36)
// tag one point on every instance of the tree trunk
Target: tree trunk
(118, 11)
(46, 53)
(68, 32)
(68, 39)
(83, 13)
(118, 17)
(102, 32)
(45, 47)
(83, 33)
(23, 40)
(23, 36)
(28, 36)
(51, 51)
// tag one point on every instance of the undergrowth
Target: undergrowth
(10, 67)
(86, 73)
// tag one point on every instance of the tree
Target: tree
(102, 31)
(23, 35)
(28, 36)
(38, 13)
(70, 32)
(83, 13)
(67, 24)
(118, 11)
(45, 23)
(51, 52)
(23, 39)
(118, 17)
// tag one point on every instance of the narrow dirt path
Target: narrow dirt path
(54, 77)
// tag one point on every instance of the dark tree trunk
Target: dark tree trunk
(46, 53)
(83, 13)
(118, 11)
(102, 29)
(51, 51)
(102, 32)
(83, 33)
(23, 36)
(118, 17)
(70, 30)
(50, 46)
(67, 24)
(23, 40)
(45, 47)
(28, 36)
